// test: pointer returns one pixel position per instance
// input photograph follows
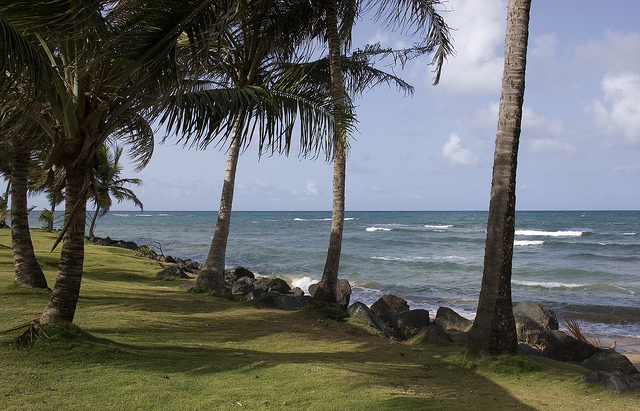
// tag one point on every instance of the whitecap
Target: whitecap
(303, 283)
(121, 215)
(438, 227)
(549, 284)
(144, 215)
(549, 233)
(370, 229)
(526, 243)
(629, 233)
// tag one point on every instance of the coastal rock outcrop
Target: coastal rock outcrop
(534, 322)
(343, 292)
(172, 271)
(563, 347)
(455, 325)
(612, 380)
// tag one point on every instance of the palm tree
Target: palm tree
(104, 69)
(107, 183)
(248, 64)
(418, 14)
(494, 331)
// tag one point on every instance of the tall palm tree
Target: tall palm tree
(419, 15)
(103, 68)
(494, 331)
(251, 58)
(107, 183)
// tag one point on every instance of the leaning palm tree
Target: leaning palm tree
(494, 330)
(104, 68)
(21, 141)
(418, 15)
(249, 64)
(106, 183)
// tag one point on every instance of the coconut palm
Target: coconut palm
(418, 15)
(249, 64)
(107, 184)
(103, 68)
(494, 331)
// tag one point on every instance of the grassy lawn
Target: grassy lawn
(142, 343)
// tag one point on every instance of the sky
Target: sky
(579, 147)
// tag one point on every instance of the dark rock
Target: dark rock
(297, 291)
(447, 319)
(129, 245)
(563, 347)
(359, 309)
(189, 266)
(291, 302)
(231, 276)
(343, 291)
(389, 304)
(272, 284)
(173, 271)
(460, 338)
(434, 333)
(612, 380)
(534, 322)
(169, 259)
(526, 349)
(244, 285)
(409, 323)
(610, 360)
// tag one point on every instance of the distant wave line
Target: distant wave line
(527, 243)
(371, 229)
(550, 233)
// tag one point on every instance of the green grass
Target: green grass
(142, 343)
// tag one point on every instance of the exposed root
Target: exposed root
(25, 340)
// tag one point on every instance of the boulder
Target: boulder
(172, 271)
(129, 245)
(189, 265)
(389, 304)
(231, 276)
(343, 292)
(563, 347)
(290, 302)
(534, 322)
(447, 319)
(408, 323)
(359, 309)
(612, 380)
(272, 284)
(434, 333)
(244, 285)
(610, 360)
(297, 291)
(169, 259)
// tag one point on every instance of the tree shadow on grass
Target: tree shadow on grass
(411, 377)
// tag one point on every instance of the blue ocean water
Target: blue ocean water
(585, 265)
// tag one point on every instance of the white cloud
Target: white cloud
(539, 124)
(478, 38)
(552, 147)
(544, 46)
(619, 110)
(311, 188)
(616, 51)
(455, 154)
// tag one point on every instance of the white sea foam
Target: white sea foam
(370, 229)
(122, 215)
(629, 233)
(547, 284)
(303, 283)
(549, 233)
(144, 215)
(527, 243)
(438, 227)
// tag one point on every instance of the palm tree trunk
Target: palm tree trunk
(93, 220)
(326, 291)
(211, 276)
(53, 214)
(494, 331)
(27, 270)
(64, 298)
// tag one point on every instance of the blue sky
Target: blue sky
(580, 142)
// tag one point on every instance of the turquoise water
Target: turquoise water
(582, 264)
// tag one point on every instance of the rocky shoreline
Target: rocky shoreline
(391, 317)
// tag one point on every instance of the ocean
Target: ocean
(583, 264)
